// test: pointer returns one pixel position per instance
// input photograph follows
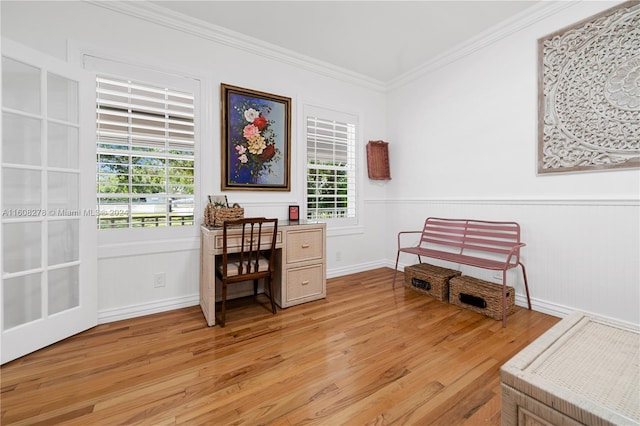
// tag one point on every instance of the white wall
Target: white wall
(126, 270)
(464, 145)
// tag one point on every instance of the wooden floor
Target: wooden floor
(365, 355)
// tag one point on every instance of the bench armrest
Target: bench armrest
(406, 232)
(512, 252)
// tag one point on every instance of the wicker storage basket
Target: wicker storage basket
(480, 296)
(583, 370)
(378, 160)
(429, 279)
(217, 216)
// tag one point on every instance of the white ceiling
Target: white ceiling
(379, 39)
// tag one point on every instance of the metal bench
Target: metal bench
(478, 243)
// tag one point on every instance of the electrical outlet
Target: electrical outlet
(159, 279)
(497, 275)
(338, 256)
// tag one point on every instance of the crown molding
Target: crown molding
(196, 27)
(492, 35)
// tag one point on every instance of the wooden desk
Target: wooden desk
(300, 265)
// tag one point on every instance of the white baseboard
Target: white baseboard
(132, 311)
(157, 306)
(545, 307)
(352, 269)
(141, 309)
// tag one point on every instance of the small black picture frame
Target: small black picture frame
(294, 213)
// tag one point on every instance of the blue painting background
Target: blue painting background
(236, 122)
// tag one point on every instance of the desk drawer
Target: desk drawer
(235, 240)
(303, 283)
(305, 245)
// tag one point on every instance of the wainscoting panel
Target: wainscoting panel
(580, 254)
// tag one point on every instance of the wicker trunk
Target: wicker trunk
(480, 296)
(429, 279)
(582, 371)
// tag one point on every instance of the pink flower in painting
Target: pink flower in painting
(250, 131)
(241, 149)
(243, 158)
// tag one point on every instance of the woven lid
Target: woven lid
(598, 362)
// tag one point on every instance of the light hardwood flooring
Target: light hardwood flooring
(365, 355)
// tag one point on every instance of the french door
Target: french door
(49, 253)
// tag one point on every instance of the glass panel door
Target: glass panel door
(48, 214)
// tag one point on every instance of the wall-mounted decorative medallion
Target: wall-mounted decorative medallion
(589, 93)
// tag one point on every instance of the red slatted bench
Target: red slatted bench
(479, 243)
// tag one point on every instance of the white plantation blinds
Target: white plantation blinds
(331, 164)
(145, 154)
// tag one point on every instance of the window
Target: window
(331, 165)
(145, 155)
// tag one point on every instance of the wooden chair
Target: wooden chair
(248, 254)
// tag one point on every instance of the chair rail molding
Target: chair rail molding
(559, 201)
(136, 248)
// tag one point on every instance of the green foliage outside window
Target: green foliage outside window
(326, 192)
(151, 178)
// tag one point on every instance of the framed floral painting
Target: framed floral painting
(256, 140)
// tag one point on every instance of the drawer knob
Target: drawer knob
(305, 282)
(305, 245)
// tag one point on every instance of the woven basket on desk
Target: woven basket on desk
(217, 216)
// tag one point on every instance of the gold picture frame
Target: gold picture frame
(256, 140)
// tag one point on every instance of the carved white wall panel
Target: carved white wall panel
(589, 93)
